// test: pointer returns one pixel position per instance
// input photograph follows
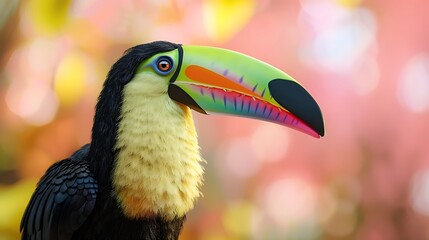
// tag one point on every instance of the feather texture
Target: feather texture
(75, 198)
(63, 200)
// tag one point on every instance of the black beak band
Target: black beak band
(179, 64)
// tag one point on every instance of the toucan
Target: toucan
(141, 173)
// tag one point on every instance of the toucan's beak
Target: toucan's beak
(214, 80)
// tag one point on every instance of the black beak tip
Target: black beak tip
(297, 100)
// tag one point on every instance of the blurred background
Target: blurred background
(366, 62)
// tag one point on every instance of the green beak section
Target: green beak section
(214, 80)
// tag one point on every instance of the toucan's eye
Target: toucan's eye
(164, 65)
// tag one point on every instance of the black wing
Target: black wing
(64, 198)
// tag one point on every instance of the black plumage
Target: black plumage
(64, 198)
(75, 199)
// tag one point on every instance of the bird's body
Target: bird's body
(141, 173)
(104, 217)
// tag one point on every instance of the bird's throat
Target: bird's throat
(157, 170)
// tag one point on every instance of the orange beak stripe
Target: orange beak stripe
(210, 78)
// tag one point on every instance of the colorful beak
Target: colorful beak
(214, 80)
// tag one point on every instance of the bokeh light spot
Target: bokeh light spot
(420, 192)
(30, 93)
(70, 79)
(13, 200)
(270, 142)
(223, 18)
(237, 219)
(413, 87)
(290, 200)
(49, 16)
(340, 36)
(349, 3)
(239, 159)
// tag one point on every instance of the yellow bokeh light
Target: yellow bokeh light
(349, 3)
(70, 79)
(237, 219)
(13, 200)
(223, 18)
(49, 16)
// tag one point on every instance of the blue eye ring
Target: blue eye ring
(163, 65)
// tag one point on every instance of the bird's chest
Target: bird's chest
(146, 186)
(157, 170)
